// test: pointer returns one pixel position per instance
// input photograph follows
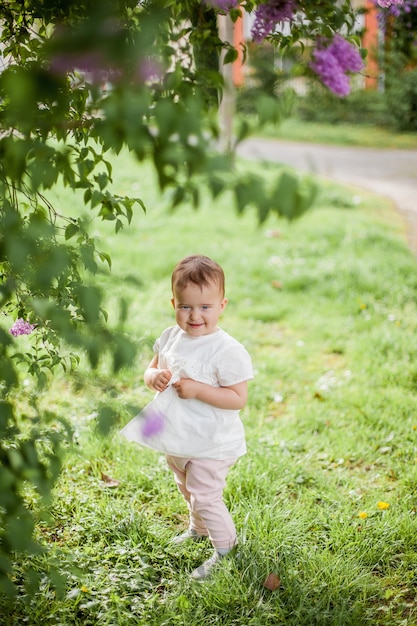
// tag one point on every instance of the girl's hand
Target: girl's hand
(160, 379)
(233, 397)
(187, 388)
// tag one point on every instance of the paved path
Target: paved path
(390, 173)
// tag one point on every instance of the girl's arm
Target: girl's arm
(233, 397)
(155, 378)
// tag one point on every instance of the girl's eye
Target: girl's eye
(205, 307)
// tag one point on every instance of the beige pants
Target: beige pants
(201, 482)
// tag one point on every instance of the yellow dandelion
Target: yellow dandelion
(85, 589)
(363, 306)
(363, 515)
(383, 506)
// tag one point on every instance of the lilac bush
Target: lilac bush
(269, 14)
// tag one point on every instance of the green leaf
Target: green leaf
(283, 199)
(8, 374)
(123, 352)
(106, 419)
(231, 56)
(6, 585)
(96, 198)
(249, 190)
(268, 109)
(71, 230)
(141, 204)
(178, 197)
(243, 131)
(19, 533)
(15, 459)
(89, 302)
(123, 310)
(103, 180)
(87, 253)
(6, 415)
(128, 203)
(306, 195)
(293, 195)
(217, 185)
(103, 256)
(7, 478)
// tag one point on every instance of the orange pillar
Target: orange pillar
(238, 76)
(370, 42)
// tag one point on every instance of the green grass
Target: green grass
(327, 308)
(294, 129)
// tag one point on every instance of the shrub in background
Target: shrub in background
(401, 99)
(399, 61)
(360, 107)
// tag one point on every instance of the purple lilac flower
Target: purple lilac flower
(223, 5)
(21, 327)
(153, 423)
(267, 16)
(326, 66)
(148, 69)
(90, 63)
(385, 4)
(346, 54)
(332, 63)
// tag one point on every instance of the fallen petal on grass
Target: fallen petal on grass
(272, 234)
(109, 481)
(272, 582)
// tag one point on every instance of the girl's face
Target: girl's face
(197, 309)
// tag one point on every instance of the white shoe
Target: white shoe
(189, 535)
(206, 569)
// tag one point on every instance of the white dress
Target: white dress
(192, 428)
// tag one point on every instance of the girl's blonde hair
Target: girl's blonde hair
(197, 269)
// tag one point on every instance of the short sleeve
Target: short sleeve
(163, 339)
(234, 366)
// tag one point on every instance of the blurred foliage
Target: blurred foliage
(265, 76)
(79, 82)
(399, 60)
(359, 107)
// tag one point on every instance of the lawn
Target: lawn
(343, 134)
(326, 497)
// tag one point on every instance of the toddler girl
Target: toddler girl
(200, 374)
